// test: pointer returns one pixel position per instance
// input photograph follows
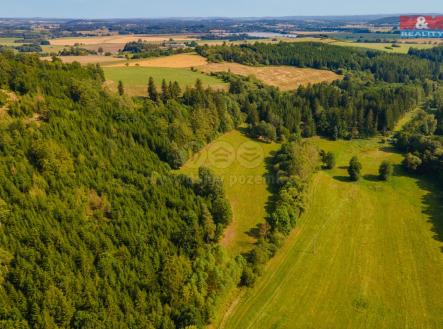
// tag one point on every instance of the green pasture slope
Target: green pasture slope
(245, 186)
(364, 255)
(135, 79)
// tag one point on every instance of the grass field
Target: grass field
(135, 79)
(364, 255)
(245, 186)
(283, 77)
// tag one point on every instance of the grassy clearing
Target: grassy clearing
(135, 79)
(364, 255)
(283, 77)
(244, 182)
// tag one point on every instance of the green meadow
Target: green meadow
(363, 255)
(245, 184)
(135, 79)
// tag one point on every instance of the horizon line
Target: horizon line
(218, 17)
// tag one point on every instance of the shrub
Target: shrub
(385, 171)
(329, 160)
(412, 162)
(354, 169)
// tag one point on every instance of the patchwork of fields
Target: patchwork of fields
(364, 255)
(134, 73)
(177, 67)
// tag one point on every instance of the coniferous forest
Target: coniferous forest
(96, 231)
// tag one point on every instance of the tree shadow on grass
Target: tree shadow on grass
(372, 178)
(345, 179)
(254, 232)
(432, 199)
(390, 149)
(271, 184)
(432, 202)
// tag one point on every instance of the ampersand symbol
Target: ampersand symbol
(421, 23)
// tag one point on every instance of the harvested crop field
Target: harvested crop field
(174, 61)
(118, 39)
(283, 77)
(91, 59)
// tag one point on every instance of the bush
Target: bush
(412, 162)
(385, 171)
(248, 277)
(354, 169)
(329, 160)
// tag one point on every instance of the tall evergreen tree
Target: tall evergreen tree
(152, 90)
(121, 88)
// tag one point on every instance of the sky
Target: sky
(210, 8)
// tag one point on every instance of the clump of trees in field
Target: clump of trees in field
(144, 49)
(76, 51)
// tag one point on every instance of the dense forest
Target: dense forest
(434, 54)
(95, 231)
(350, 108)
(384, 67)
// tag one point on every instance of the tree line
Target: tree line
(422, 145)
(292, 168)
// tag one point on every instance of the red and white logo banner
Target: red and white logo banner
(421, 26)
(421, 22)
